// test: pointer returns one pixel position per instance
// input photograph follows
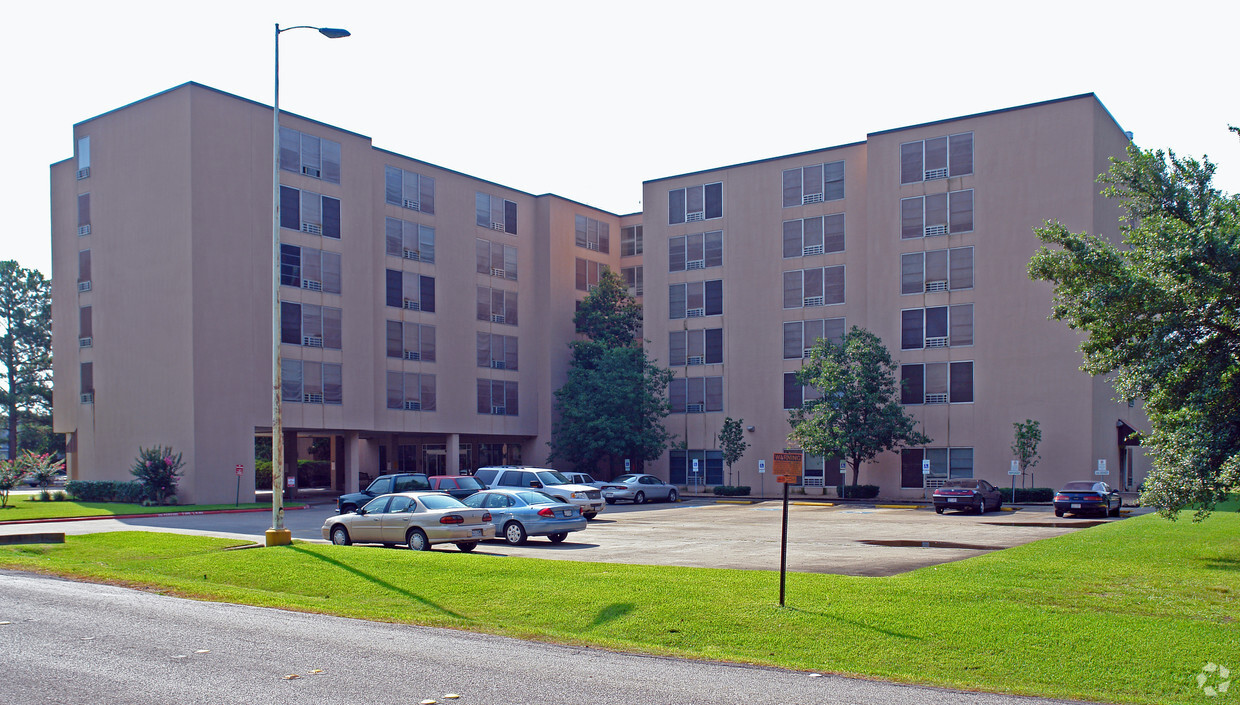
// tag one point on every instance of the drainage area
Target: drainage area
(905, 543)
(1051, 524)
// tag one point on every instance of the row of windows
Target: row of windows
(937, 383)
(817, 286)
(308, 268)
(309, 155)
(497, 397)
(695, 299)
(695, 347)
(409, 290)
(694, 203)
(936, 214)
(308, 382)
(409, 189)
(409, 240)
(410, 341)
(497, 305)
(813, 184)
(945, 464)
(814, 236)
(695, 395)
(936, 327)
(309, 212)
(411, 391)
(593, 234)
(310, 325)
(697, 251)
(936, 158)
(631, 240)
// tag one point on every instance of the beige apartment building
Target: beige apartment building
(425, 313)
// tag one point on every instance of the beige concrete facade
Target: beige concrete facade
(178, 227)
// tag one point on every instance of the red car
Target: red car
(459, 486)
(975, 495)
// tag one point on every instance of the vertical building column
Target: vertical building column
(352, 457)
(454, 454)
(339, 466)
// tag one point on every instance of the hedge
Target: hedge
(856, 491)
(106, 491)
(730, 491)
(1027, 494)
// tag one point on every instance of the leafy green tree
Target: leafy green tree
(1025, 446)
(158, 469)
(858, 414)
(732, 442)
(25, 347)
(614, 401)
(1162, 315)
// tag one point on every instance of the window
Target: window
(496, 259)
(695, 395)
(936, 270)
(410, 341)
(412, 241)
(85, 330)
(814, 236)
(309, 155)
(695, 251)
(695, 299)
(497, 351)
(936, 327)
(630, 241)
(308, 382)
(309, 212)
(87, 380)
(633, 279)
(83, 280)
(821, 286)
(937, 158)
(495, 213)
(800, 336)
(795, 394)
(497, 305)
(937, 383)
(411, 391)
(83, 214)
(497, 397)
(945, 463)
(936, 214)
(686, 205)
(407, 290)
(310, 325)
(709, 467)
(409, 189)
(695, 347)
(593, 234)
(83, 158)
(814, 184)
(588, 274)
(310, 269)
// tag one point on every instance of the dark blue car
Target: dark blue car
(384, 484)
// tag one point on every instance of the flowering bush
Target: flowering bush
(43, 469)
(10, 475)
(158, 469)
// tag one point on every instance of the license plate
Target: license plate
(1076, 506)
(952, 499)
(475, 532)
(607, 494)
(566, 513)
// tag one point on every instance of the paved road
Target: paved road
(65, 642)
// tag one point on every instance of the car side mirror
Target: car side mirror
(360, 511)
(536, 484)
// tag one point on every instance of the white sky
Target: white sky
(588, 99)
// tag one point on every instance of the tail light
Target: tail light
(1092, 498)
(452, 519)
(1061, 498)
(546, 512)
(486, 518)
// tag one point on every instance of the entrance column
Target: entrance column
(454, 454)
(352, 461)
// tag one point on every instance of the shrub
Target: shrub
(60, 496)
(857, 491)
(731, 491)
(44, 495)
(10, 475)
(157, 468)
(1030, 494)
(106, 491)
(262, 474)
(41, 468)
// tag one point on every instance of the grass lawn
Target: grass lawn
(1128, 612)
(22, 507)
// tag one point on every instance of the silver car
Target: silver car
(638, 488)
(416, 519)
(519, 514)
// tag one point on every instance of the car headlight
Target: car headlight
(578, 495)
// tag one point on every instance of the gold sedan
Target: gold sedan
(416, 519)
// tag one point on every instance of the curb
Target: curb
(812, 504)
(54, 520)
(735, 501)
(898, 506)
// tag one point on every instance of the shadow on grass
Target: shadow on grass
(381, 583)
(612, 612)
(855, 623)
(1222, 564)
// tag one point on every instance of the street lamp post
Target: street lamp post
(277, 535)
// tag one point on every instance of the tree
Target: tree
(1162, 315)
(158, 469)
(42, 468)
(25, 347)
(858, 414)
(10, 475)
(1025, 446)
(732, 441)
(614, 401)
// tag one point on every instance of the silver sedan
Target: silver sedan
(638, 488)
(416, 519)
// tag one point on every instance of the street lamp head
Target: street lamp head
(333, 32)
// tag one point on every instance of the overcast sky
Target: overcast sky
(588, 99)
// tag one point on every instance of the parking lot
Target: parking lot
(699, 533)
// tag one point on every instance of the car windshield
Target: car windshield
(436, 501)
(971, 484)
(551, 477)
(537, 498)
(468, 483)
(625, 478)
(1078, 487)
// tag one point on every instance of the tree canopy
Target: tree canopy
(858, 414)
(613, 403)
(25, 350)
(1162, 315)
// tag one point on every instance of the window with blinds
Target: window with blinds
(83, 208)
(694, 203)
(936, 270)
(696, 395)
(497, 305)
(309, 155)
(309, 212)
(311, 325)
(936, 214)
(631, 241)
(410, 391)
(593, 234)
(814, 236)
(409, 290)
(495, 213)
(936, 327)
(697, 251)
(83, 280)
(310, 382)
(409, 189)
(813, 184)
(412, 241)
(498, 352)
(936, 158)
(496, 259)
(587, 274)
(633, 278)
(410, 341)
(937, 383)
(695, 299)
(695, 347)
(800, 336)
(818, 286)
(497, 397)
(310, 269)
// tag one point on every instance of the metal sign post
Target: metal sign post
(925, 473)
(762, 478)
(788, 472)
(1102, 467)
(695, 475)
(1014, 472)
(240, 469)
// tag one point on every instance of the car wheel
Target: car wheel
(938, 510)
(558, 538)
(348, 508)
(514, 533)
(1115, 512)
(340, 536)
(639, 498)
(610, 500)
(589, 515)
(673, 496)
(467, 546)
(981, 507)
(417, 541)
(1059, 513)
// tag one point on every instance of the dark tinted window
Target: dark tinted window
(380, 486)
(1078, 487)
(469, 483)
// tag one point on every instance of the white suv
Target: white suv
(589, 499)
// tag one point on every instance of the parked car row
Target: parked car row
(980, 496)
